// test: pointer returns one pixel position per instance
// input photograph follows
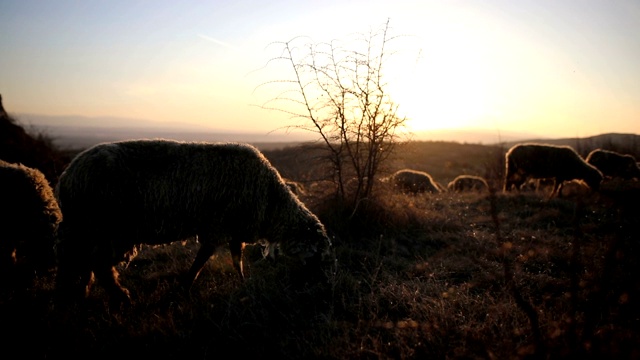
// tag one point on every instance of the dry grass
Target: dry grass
(428, 276)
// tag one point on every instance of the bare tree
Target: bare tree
(339, 93)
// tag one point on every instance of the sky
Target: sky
(554, 68)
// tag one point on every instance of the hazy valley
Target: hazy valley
(73, 132)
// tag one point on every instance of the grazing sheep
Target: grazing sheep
(464, 183)
(538, 161)
(575, 188)
(29, 217)
(413, 181)
(116, 196)
(613, 164)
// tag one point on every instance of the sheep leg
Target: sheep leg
(73, 284)
(511, 181)
(237, 248)
(108, 277)
(557, 187)
(7, 260)
(207, 248)
(8, 253)
(560, 185)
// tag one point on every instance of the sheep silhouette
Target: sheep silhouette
(414, 182)
(544, 161)
(116, 196)
(29, 217)
(614, 164)
(463, 183)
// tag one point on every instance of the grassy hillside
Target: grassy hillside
(443, 160)
(476, 275)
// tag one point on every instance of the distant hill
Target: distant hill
(623, 143)
(445, 160)
(31, 149)
(82, 131)
(472, 136)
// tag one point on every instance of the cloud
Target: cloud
(216, 41)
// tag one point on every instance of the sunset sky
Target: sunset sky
(556, 68)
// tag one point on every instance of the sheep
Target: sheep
(117, 196)
(542, 161)
(29, 217)
(614, 164)
(414, 181)
(468, 183)
(575, 188)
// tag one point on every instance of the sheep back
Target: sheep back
(414, 181)
(543, 161)
(467, 183)
(29, 217)
(115, 196)
(614, 164)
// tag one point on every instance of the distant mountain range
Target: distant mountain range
(82, 132)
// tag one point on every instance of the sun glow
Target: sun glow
(442, 103)
(441, 95)
(447, 83)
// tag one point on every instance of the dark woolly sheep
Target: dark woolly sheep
(613, 164)
(541, 161)
(116, 196)
(29, 217)
(414, 182)
(463, 183)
